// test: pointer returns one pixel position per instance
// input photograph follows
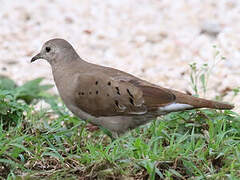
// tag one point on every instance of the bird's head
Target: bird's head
(56, 51)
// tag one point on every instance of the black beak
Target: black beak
(38, 56)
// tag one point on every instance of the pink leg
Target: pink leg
(90, 127)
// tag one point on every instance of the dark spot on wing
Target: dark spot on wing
(130, 94)
(117, 103)
(131, 101)
(81, 93)
(118, 91)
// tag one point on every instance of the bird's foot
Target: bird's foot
(90, 127)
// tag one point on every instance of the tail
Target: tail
(199, 102)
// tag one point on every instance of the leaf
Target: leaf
(20, 146)
(31, 90)
(3, 108)
(52, 154)
(176, 173)
(6, 83)
(10, 162)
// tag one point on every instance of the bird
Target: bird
(110, 98)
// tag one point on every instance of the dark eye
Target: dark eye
(48, 49)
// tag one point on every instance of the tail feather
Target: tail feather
(200, 102)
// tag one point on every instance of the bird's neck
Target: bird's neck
(63, 70)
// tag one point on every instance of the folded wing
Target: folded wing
(108, 96)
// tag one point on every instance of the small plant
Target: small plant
(199, 76)
(235, 92)
(31, 90)
(11, 111)
(13, 99)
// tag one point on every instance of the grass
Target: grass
(50, 143)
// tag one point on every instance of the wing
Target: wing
(104, 95)
(154, 95)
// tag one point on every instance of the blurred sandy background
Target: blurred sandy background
(153, 39)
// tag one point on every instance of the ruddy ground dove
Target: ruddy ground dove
(111, 98)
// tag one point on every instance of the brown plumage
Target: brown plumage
(109, 97)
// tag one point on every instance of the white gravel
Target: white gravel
(152, 39)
